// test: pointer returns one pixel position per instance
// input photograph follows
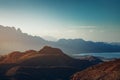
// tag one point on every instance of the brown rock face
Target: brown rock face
(50, 50)
(105, 71)
(48, 56)
(17, 56)
(12, 57)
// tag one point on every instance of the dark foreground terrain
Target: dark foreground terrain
(52, 64)
(47, 64)
(104, 71)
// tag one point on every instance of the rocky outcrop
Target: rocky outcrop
(104, 71)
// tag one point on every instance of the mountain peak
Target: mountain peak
(19, 30)
(50, 50)
(47, 47)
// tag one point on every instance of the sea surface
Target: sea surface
(106, 55)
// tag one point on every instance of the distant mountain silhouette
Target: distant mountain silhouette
(48, 63)
(115, 43)
(82, 46)
(105, 71)
(12, 39)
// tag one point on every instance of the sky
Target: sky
(96, 20)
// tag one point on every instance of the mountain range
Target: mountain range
(12, 39)
(53, 64)
(47, 64)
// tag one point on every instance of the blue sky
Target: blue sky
(96, 20)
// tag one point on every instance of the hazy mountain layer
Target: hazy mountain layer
(12, 39)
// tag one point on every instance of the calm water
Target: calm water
(107, 55)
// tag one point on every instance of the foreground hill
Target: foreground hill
(105, 71)
(47, 56)
(12, 39)
(49, 64)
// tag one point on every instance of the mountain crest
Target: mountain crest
(19, 30)
(50, 50)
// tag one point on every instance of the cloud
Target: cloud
(91, 30)
(84, 27)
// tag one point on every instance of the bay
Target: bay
(106, 55)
